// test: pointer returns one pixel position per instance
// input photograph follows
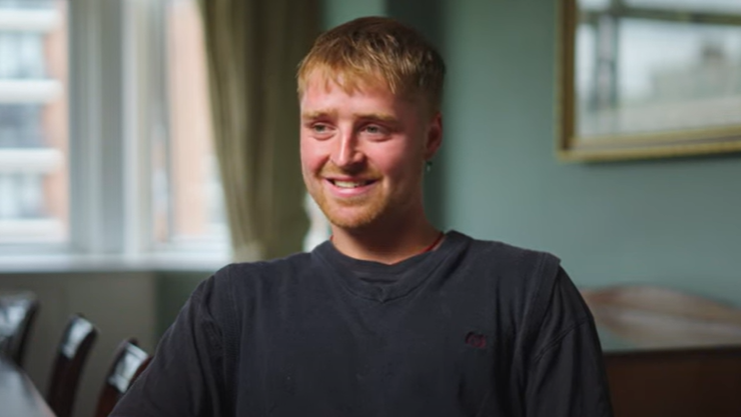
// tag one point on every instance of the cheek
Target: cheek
(311, 156)
(400, 163)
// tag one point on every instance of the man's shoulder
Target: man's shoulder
(508, 255)
(511, 269)
(262, 272)
(242, 284)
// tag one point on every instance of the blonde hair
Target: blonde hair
(373, 50)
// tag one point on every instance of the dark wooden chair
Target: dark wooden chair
(128, 362)
(17, 314)
(72, 353)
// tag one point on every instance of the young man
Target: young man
(391, 317)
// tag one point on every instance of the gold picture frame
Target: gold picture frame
(658, 109)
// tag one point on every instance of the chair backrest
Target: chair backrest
(128, 362)
(72, 353)
(17, 315)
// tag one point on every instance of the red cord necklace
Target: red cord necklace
(432, 246)
(439, 237)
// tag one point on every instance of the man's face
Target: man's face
(362, 152)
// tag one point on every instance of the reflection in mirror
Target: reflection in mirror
(639, 76)
(718, 6)
(650, 77)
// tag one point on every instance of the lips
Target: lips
(350, 187)
(351, 184)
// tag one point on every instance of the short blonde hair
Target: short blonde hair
(372, 50)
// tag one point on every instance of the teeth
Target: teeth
(349, 184)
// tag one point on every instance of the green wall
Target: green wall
(338, 11)
(668, 222)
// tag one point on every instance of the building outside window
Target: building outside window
(33, 122)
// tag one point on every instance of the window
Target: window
(33, 122)
(129, 171)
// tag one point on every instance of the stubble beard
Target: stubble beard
(351, 214)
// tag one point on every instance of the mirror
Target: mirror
(649, 78)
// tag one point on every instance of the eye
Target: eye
(320, 130)
(375, 130)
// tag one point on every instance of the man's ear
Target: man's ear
(434, 136)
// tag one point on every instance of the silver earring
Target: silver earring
(428, 166)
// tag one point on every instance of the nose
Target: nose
(347, 153)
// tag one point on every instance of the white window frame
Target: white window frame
(146, 111)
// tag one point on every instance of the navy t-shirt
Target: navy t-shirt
(473, 328)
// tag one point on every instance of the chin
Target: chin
(355, 218)
(356, 222)
(357, 215)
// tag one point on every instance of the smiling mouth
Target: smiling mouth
(351, 184)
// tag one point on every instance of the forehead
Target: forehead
(324, 94)
(326, 80)
(327, 91)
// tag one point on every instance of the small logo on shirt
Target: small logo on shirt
(476, 340)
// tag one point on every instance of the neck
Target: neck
(387, 244)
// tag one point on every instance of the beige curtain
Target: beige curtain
(253, 49)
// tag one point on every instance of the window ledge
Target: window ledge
(111, 263)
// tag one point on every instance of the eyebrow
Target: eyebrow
(320, 114)
(381, 117)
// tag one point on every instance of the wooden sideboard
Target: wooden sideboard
(669, 353)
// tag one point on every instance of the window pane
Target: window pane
(33, 121)
(188, 199)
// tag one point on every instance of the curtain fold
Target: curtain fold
(253, 49)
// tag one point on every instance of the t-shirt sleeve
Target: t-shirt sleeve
(186, 376)
(565, 376)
